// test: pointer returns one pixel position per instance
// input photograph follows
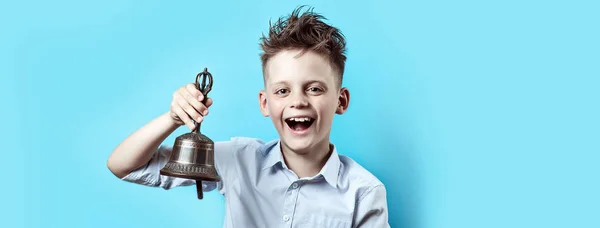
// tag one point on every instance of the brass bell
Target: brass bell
(193, 153)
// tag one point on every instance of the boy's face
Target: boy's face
(301, 96)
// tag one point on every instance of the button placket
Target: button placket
(290, 204)
(287, 207)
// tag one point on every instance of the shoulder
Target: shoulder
(354, 176)
(244, 147)
(352, 171)
(242, 144)
(237, 152)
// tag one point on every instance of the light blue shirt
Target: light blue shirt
(260, 191)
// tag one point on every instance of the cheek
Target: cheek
(275, 108)
(327, 109)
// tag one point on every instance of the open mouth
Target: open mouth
(299, 123)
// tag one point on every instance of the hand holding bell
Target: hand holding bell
(187, 106)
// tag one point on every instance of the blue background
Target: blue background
(473, 113)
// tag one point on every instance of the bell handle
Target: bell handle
(204, 89)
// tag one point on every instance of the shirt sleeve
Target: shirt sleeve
(372, 209)
(149, 174)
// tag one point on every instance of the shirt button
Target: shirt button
(286, 218)
(295, 185)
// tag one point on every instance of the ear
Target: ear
(343, 101)
(262, 102)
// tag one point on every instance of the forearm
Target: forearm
(137, 149)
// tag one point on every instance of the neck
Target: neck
(307, 164)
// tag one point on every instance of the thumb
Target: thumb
(209, 102)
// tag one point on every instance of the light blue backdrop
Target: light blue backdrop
(473, 113)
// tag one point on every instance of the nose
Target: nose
(298, 101)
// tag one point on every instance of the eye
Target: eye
(281, 91)
(315, 89)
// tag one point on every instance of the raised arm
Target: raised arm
(137, 149)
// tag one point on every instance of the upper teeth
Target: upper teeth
(302, 119)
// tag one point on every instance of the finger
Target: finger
(184, 117)
(191, 88)
(209, 102)
(192, 100)
(185, 106)
(190, 111)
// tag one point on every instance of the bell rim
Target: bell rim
(189, 176)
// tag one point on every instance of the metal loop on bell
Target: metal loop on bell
(204, 88)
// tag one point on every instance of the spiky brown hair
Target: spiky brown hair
(306, 32)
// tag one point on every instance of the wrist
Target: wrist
(173, 123)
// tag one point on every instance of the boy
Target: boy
(298, 180)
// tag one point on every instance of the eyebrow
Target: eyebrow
(286, 83)
(278, 83)
(309, 82)
(316, 81)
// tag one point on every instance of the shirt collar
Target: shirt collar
(330, 171)
(272, 153)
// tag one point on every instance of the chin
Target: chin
(298, 146)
